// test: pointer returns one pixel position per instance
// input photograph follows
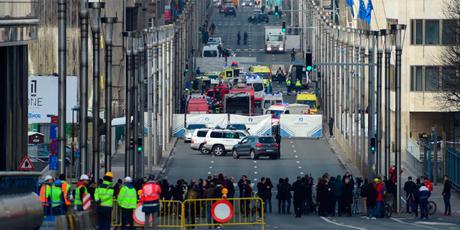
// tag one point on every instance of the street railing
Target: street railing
(452, 165)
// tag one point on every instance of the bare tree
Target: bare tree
(450, 57)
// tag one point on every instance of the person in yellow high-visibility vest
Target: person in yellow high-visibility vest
(288, 85)
(104, 200)
(57, 198)
(127, 200)
(66, 192)
(298, 86)
(44, 194)
(81, 191)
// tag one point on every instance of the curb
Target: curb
(166, 162)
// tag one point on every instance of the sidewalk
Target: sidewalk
(343, 158)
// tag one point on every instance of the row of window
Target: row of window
(430, 78)
(433, 32)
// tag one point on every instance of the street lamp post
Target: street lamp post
(62, 69)
(128, 100)
(83, 142)
(378, 146)
(371, 154)
(135, 100)
(388, 45)
(398, 30)
(96, 31)
(108, 22)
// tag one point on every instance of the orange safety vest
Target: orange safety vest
(43, 195)
(65, 189)
(150, 192)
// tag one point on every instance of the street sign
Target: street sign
(26, 164)
(139, 215)
(54, 120)
(53, 162)
(53, 131)
(54, 145)
(222, 211)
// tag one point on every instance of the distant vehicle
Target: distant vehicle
(220, 141)
(240, 101)
(309, 99)
(274, 69)
(241, 127)
(247, 3)
(297, 71)
(198, 139)
(190, 129)
(230, 11)
(214, 41)
(210, 51)
(255, 147)
(258, 17)
(262, 70)
(275, 39)
(197, 105)
(257, 84)
(224, 5)
(271, 99)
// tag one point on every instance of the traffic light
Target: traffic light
(139, 144)
(372, 145)
(186, 68)
(276, 11)
(308, 61)
(131, 143)
(283, 27)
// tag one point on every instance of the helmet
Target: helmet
(128, 179)
(48, 177)
(84, 177)
(376, 180)
(109, 174)
(57, 182)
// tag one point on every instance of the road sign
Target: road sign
(222, 211)
(139, 215)
(53, 131)
(53, 162)
(54, 147)
(26, 164)
(54, 120)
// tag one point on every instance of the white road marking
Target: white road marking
(209, 173)
(255, 172)
(301, 173)
(435, 223)
(255, 166)
(341, 225)
(212, 162)
(296, 156)
(255, 162)
(293, 146)
(298, 162)
(294, 150)
(292, 142)
(418, 225)
(300, 167)
(210, 167)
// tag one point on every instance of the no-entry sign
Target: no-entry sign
(222, 211)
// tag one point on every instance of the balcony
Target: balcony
(18, 20)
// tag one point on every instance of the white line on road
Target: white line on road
(293, 146)
(296, 156)
(210, 167)
(341, 225)
(298, 162)
(300, 167)
(301, 173)
(294, 150)
(418, 225)
(209, 173)
(255, 166)
(255, 172)
(212, 162)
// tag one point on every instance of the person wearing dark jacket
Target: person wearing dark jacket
(280, 196)
(299, 196)
(446, 195)
(338, 188)
(371, 199)
(423, 195)
(288, 197)
(268, 195)
(244, 184)
(322, 191)
(347, 196)
(411, 191)
(262, 191)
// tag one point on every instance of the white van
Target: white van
(210, 51)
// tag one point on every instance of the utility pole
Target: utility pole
(140, 95)
(371, 102)
(149, 42)
(62, 51)
(83, 91)
(156, 61)
(356, 92)
(108, 21)
(398, 29)
(129, 60)
(362, 108)
(135, 104)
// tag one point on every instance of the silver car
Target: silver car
(190, 129)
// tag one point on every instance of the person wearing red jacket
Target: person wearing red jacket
(380, 190)
(150, 198)
(428, 184)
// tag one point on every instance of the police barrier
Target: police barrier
(197, 213)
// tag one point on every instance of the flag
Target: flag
(369, 9)
(350, 3)
(362, 10)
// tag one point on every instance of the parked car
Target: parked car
(230, 11)
(241, 127)
(221, 141)
(247, 3)
(258, 17)
(190, 129)
(215, 41)
(198, 140)
(255, 147)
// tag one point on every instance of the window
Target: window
(201, 133)
(431, 78)
(448, 32)
(266, 140)
(432, 32)
(416, 78)
(449, 78)
(216, 135)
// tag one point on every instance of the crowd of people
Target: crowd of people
(335, 195)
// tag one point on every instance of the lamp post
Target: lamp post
(62, 69)
(378, 146)
(108, 28)
(371, 155)
(128, 99)
(388, 45)
(83, 131)
(398, 30)
(96, 32)
(135, 100)
(356, 42)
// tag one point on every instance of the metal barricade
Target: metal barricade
(452, 164)
(169, 216)
(247, 211)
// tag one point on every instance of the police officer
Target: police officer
(45, 191)
(288, 85)
(127, 200)
(150, 196)
(298, 85)
(81, 191)
(104, 200)
(57, 198)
